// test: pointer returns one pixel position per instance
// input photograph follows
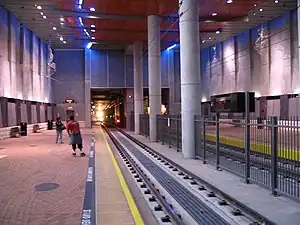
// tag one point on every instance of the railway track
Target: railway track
(286, 168)
(196, 199)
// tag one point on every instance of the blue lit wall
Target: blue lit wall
(114, 69)
(268, 67)
(20, 61)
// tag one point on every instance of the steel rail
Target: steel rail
(257, 216)
(168, 209)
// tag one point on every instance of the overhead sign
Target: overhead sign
(69, 101)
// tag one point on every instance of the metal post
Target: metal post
(169, 132)
(218, 141)
(177, 134)
(204, 140)
(247, 139)
(274, 150)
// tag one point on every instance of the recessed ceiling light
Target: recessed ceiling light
(93, 38)
(217, 32)
(64, 42)
(93, 30)
(276, 1)
(39, 7)
(42, 13)
(214, 14)
(61, 38)
(209, 38)
(254, 14)
(45, 17)
(61, 23)
(54, 28)
(203, 41)
(93, 25)
(229, 1)
(254, 5)
(92, 9)
(260, 10)
(62, 19)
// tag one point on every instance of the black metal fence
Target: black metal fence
(144, 125)
(261, 150)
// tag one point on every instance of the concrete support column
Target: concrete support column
(154, 73)
(87, 89)
(190, 73)
(298, 21)
(138, 84)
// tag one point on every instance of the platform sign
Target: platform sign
(69, 101)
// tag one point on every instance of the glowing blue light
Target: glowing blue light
(80, 20)
(80, 2)
(89, 45)
(171, 47)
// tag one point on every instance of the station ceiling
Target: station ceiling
(116, 24)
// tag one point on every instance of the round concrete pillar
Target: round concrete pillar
(154, 73)
(138, 84)
(190, 73)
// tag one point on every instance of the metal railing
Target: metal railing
(144, 125)
(261, 150)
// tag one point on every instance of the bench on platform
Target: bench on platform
(36, 128)
(14, 132)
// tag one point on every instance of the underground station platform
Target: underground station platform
(125, 179)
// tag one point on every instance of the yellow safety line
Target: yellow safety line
(133, 208)
(291, 154)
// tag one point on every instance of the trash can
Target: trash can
(23, 129)
(50, 125)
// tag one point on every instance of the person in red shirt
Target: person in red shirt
(73, 130)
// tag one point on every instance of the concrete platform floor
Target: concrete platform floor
(30, 164)
(34, 160)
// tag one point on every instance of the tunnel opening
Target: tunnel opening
(107, 105)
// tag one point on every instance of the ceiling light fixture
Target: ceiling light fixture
(254, 5)
(229, 1)
(54, 28)
(276, 1)
(260, 10)
(93, 38)
(62, 19)
(171, 47)
(89, 45)
(209, 38)
(64, 42)
(42, 13)
(45, 17)
(214, 14)
(203, 41)
(61, 38)
(93, 25)
(92, 9)
(39, 7)
(93, 31)
(61, 23)
(217, 32)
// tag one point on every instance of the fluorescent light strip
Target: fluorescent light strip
(171, 47)
(80, 3)
(89, 45)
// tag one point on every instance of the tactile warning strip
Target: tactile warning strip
(201, 213)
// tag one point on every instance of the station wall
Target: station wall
(263, 60)
(23, 71)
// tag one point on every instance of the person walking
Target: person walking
(59, 130)
(73, 130)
